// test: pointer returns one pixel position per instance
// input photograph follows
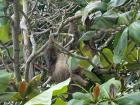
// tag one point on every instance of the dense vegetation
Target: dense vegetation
(100, 38)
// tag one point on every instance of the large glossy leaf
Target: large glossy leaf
(130, 99)
(125, 18)
(4, 25)
(133, 66)
(4, 32)
(121, 47)
(45, 97)
(116, 39)
(106, 57)
(92, 6)
(76, 102)
(80, 99)
(90, 75)
(107, 20)
(96, 60)
(59, 101)
(88, 35)
(73, 62)
(116, 3)
(134, 31)
(138, 15)
(4, 80)
(105, 87)
(85, 64)
(132, 53)
(82, 96)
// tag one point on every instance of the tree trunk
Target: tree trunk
(15, 33)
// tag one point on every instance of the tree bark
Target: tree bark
(26, 42)
(15, 33)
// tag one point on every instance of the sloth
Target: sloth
(58, 70)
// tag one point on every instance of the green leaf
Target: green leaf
(129, 99)
(116, 3)
(4, 80)
(134, 31)
(88, 35)
(80, 99)
(45, 97)
(104, 103)
(59, 101)
(132, 53)
(8, 96)
(81, 2)
(108, 54)
(82, 96)
(73, 62)
(90, 75)
(133, 66)
(121, 47)
(116, 39)
(138, 14)
(96, 60)
(125, 18)
(64, 89)
(84, 64)
(107, 20)
(4, 32)
(106, 1)
(92, 6)
(76, 102)
(105, 87)
(3, 19)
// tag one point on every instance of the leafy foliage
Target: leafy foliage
(53, 91)
(104, 44)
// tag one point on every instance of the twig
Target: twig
(61, 24)
(42, 32)
(27, 65)
(67, 21)
(106, 43)
(31, 12)
(72, 38)
(7, 51)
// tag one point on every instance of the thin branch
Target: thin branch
(106, 43)
(67, 21)
(72, 38)
(42, 32)
(5, 65)
(27, 65)
(8, 53)
(61, 24)
(32, 10)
